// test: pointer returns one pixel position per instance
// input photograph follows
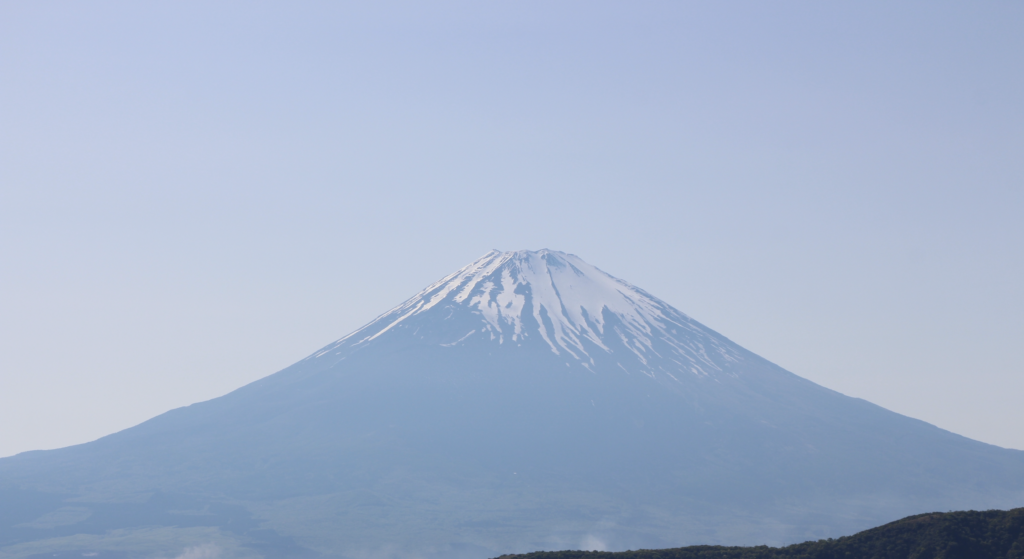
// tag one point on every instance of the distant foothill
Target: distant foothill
(992, 534)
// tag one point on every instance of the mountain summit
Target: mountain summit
(527, 401)
(580, 313)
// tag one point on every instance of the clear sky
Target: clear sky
(194, 195)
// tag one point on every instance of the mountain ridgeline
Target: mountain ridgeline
(527, 401)
(990, 534)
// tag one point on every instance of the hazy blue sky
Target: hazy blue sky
(194, 195)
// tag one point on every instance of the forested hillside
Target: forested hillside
(990, 534)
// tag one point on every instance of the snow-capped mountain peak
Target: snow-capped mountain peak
(577, 310)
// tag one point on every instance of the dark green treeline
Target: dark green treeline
(990, 534)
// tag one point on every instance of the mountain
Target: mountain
(992, 534)
(527, 401)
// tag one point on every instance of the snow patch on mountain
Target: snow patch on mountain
(577, 310)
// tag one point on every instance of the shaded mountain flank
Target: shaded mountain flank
(526, 401)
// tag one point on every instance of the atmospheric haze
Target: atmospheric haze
(195, 195)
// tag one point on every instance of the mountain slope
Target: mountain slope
(527, 401)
